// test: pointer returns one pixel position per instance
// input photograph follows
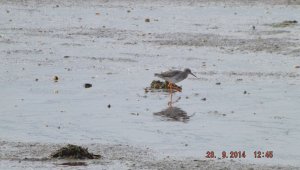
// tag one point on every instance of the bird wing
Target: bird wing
(170, 73)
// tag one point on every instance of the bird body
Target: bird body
(174, 76)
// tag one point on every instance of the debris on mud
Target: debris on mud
(74, 164)
(285, 23)
(156, 85)
(147, 20)
(146, 90)
(88, 85)
(216, 113)
(135, 114)
(55, 78)
(74, 152)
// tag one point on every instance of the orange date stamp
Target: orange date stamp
(238, 154)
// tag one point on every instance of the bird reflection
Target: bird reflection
(174, 114)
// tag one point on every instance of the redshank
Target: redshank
(174, 76)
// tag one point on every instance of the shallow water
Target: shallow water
(119, 61)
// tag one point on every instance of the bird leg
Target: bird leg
(170, 85)
(171, 93)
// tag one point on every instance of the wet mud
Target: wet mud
(75, 72)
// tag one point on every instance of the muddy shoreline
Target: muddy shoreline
(75, 72)
(37, 155)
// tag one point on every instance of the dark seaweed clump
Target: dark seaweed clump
(74, 152)
(156, 84)
(285, 23)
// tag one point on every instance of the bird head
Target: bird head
(188, 71)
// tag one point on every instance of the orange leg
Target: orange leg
(171, 93)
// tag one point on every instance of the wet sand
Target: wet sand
(16, 155)
(246, 96)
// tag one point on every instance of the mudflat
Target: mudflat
(75, 72)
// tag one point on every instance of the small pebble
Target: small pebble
(55, 78)
(147, 20)
(146, 90)
(108, 105)
(297, 66)
(218, 83)
(245, 92)
(204, 99)
(87, 85)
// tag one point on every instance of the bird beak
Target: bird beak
(193, 75)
